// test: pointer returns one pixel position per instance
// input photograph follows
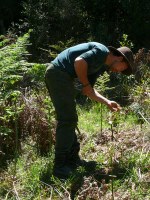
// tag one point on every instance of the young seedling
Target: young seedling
(101, 111)
(114, 122)
(112, 185)
(111, 120)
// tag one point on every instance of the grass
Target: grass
(121, 173)
(90, 118)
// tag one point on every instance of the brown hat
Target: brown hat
(128, 57)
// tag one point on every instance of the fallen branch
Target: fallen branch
(143, 118)
(16, 193)
(69, 198)
(58, 192)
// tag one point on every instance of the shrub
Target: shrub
(23, 111)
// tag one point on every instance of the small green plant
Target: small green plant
(60, 46)
(4, 41)
(101, 84)
(101, 87)
(126, 42)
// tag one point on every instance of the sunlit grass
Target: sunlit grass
(127, 158)
(90, 119)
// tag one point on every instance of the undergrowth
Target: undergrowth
(23, 111)
(121, 170)
(117, 144)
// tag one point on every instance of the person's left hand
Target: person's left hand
(113, 106)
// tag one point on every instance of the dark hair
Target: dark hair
(116, 53)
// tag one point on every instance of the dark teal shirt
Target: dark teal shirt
(93, 53)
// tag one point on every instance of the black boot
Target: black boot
(74, 160)
(61, 169)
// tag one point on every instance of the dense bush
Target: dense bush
(23, 111)
(102, 21)
(54, 21)
(140, 92)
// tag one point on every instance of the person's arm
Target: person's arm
(81, 67)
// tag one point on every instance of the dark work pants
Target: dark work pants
(62, 93)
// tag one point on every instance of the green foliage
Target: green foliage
(22, 111)
(3, 41)
(36, 73)
(126, 42)
(60, 46)
(102, 83)
(60, 20)
(12, 64)
(27, 115)
(29, 170)
(4, 131)
(135, 12)
(53, 21)
(140, 92)
(126, 158)
(12, 67)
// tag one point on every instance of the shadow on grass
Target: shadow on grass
(46, 174)
(98, 173)
(92, 168)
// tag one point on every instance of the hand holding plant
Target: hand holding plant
(113, 106)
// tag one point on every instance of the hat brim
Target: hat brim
(129, 70)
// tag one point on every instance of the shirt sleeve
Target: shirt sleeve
(94, 56)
